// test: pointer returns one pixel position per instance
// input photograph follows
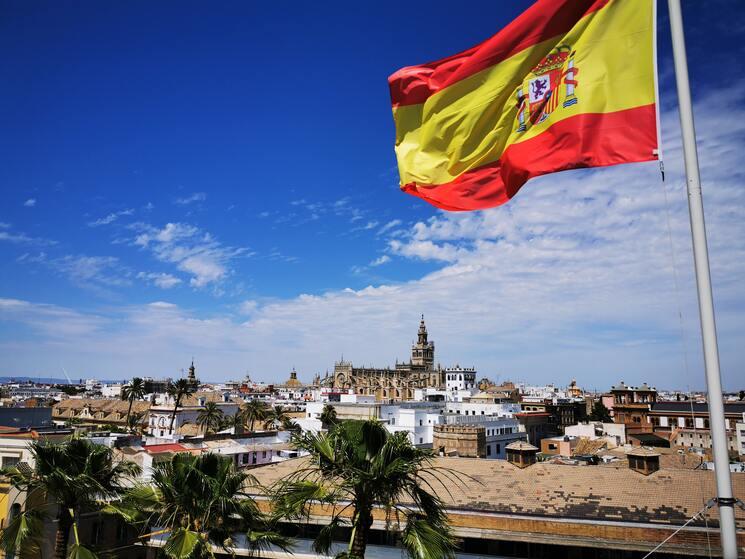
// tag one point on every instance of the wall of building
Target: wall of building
(467, 441)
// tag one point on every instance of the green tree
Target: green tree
(178, 390)
(68, 479)
(210, 417)
(200, 502)
(277, 417)
(252, 412)
(741, 395)
(360, 466)
(328, 416)
(227, 422)
(600, 412)
(133, 390)
(134, 423)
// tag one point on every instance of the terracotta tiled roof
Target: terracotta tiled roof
(642, 451)
(169, 447)
(588, 446)
(72, 407)
(554, 490)
(520, 445)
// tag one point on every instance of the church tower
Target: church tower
(423, 351)
(192, 378)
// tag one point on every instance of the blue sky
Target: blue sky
(187, 179)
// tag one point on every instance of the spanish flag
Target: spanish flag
(568, 84)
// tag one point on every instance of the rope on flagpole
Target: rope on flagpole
(708, 505)
(657, 90)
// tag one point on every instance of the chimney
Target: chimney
(226, 397)
(644, 460)
(521, 454)
(201, 400)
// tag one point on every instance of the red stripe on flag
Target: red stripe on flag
(543, 20)
(585, 140)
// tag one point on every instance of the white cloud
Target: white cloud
(192, 251)
(389, 226)
(248, 307)
(21, 238)
(93, 272)
(112, 217)
(573, 278)
(162, 280)
(39, 258)
(30, 203)
(380, 260)
(195, 197)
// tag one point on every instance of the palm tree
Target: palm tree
(68, 479)
(229, 421)
(328, 416)
(210, 417)
(134, 423)
(200, 502)
(132, 391)
(277, 416)
(253, 411)
(182, 387)
(360, 466)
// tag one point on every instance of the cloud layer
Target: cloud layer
(585, 274)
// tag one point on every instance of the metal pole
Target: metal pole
(705, 298)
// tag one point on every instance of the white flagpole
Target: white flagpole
(725, 499)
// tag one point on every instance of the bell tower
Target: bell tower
(423, 351)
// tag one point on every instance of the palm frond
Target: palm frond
(23, 534)
(182, 543)
(424, 539)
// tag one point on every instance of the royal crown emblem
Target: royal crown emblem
(552, 79)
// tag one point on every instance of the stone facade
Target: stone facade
(467, 441)
(396, 383)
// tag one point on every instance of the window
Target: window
(498, 449)
(488, 450)
(10, 461)
(253, 458)
(244, 458)
(263, 453)
(421, 440)
(421, 422)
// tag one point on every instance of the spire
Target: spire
(422, 337)
(192, 373)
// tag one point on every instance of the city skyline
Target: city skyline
(151, 213)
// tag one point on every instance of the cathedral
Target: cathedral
(398, 383)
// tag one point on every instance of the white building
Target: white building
(483, 406)
(460, 378)
(740, 428)
(159, 420)
(614, 432)
(417, 420)
(111, 390)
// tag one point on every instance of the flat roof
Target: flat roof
(610, 492)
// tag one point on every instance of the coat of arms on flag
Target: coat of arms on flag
(552, 78)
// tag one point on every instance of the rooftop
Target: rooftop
(554, 490)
